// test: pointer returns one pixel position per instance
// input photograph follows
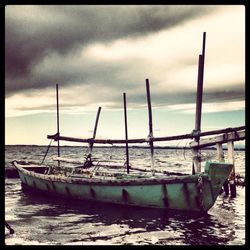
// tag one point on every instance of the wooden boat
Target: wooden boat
(188, 192)
(196, 192)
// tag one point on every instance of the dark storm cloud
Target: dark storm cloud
(233, 93)
(29, 37)
(138, 98)
(93, 74)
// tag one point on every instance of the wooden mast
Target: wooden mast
(150, 136)
(197, 130)
(94, 132)
(58, 131)
(126, 131)
(88, 161)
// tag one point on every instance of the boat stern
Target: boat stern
(217, 173)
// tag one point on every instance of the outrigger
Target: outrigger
(90, 180)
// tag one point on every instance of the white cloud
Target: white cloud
(164, 55)
(168, 58)
(209, 107)
(24, 104)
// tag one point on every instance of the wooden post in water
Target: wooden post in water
(230, 155)
(220, 157)
(220, 154)
(230, 151)
(58, 131)
(196, 158)
(126, 131)
(150, 127)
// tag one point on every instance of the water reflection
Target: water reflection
(49, 220)
(184, 228)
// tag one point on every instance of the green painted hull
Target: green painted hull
(187, 193)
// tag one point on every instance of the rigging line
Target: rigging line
(177, 146)
(86, 151)
(46, 151)
(184, 151)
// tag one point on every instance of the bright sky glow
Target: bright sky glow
(95, 63)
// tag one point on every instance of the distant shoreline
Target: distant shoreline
(131, 147)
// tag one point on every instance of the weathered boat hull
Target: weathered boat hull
(188, 193)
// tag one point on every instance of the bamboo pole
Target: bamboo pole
(58, 130)
(230, 151)
(88, 162)
(196, 158)
(230, 155)
(199, 96)
(220, 153)
(203, 47)
(143, 140)
(223, 138)
(219, 131)
(126, 131)
(150, 127)
(200, 86)
(96, 122)
(91, 143)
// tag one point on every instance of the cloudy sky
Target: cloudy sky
(95, 53)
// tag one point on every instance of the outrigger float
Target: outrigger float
(90, 180)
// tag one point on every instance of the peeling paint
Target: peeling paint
(171, 192)
(186, 193)
(125, 195)
(165, 195)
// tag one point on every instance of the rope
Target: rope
(195, 134)
(88, 162)
(184, 151)
(177, 146)
(47, 151)
(125, 165)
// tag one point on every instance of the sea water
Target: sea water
(44, 220)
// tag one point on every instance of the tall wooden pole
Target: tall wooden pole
(230, 156)
(58, 130)
(95, 129)
(203, 48)
(199, 97)
(196, 160)
(150, 127)
(126, 131)
(96, 121)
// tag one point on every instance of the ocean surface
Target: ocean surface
(44, 220)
